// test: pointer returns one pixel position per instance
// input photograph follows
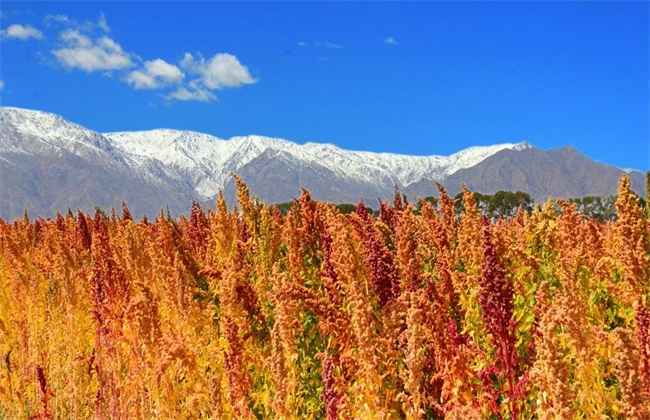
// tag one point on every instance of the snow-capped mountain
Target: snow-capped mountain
(37, 132)
(48, 164)
(209, 162)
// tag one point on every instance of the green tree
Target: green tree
(285, 206)
(602, 209)
(506, 203)
(344, 208)
(500, 204)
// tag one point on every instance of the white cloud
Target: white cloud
(155, 74)
(330, 45)
(82, 52)
(221, 71)
(49, 19)
(188, 62)
(86, 26)
(86, 46)
(74, 37)
(302, 44)
(390, 40)
(198, 94)
(21, 32)
(2, 85)
(102, 23)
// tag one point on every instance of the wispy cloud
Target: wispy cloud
(79, 51)
(302, 44)
(57, 19)
(390, 40)
(2, 85)
(22, 32)
(155, 74)
(103, 25)
(87, 26)
(192, 94)
(329, 45)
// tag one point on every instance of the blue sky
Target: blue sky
(407, 77)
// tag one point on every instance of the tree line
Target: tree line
(501, 204)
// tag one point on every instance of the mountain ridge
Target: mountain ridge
(401, 169)
(160, 168)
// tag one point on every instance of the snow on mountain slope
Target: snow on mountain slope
(207, 160)
(402, 169)
(48, 164)
(36, 132)
(210, 161)
(206, 163)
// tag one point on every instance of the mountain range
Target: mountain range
(48, 164)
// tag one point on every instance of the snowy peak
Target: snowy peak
(50, 161)
(206, 162)
(210, 161)
(171, 147)
(26, 131)
(48, 127)
(472, 156)
(36, 122)
(401, 169)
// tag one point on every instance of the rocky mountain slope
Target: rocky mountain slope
(48, 164)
